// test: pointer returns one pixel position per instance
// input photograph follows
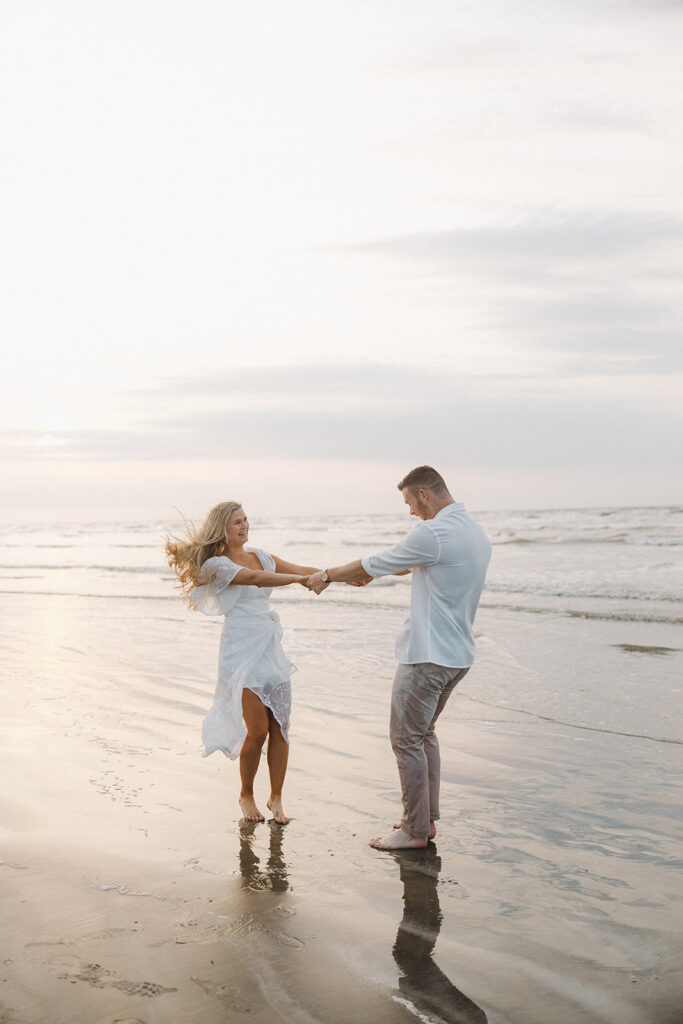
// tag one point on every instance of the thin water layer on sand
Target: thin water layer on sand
(132, 892)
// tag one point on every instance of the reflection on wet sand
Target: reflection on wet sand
(274, 875)
(421, 981)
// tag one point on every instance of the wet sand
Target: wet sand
(131, 892)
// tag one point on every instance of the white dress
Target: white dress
(250, 654)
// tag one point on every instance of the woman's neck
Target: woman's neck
(235, 552)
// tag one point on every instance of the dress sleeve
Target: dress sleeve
(207, 598)
(266, 560)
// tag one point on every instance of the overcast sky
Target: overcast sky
(285, 252)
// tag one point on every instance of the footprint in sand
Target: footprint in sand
(141, 988)
(73, 969)
(227, 993)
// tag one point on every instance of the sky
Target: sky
(283, 253)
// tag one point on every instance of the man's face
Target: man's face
(418, 507)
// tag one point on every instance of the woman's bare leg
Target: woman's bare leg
(257, 721)
(278, 755)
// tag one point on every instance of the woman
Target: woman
(219, 575)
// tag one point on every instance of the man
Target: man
(448, 554)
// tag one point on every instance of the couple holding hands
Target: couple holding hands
(448, 554)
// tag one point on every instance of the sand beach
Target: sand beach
(132, 892)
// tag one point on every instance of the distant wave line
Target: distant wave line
(502, 588)
(141, 569)
(560, 541)
(572, 613)
(99, 597)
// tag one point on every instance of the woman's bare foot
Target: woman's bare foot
(275, 806)
(249, 809)
(398, 840)
(432, 828)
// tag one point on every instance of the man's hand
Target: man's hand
(316, 582)
(353, 573)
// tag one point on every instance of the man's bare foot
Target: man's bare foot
(432, 828)
(275, 806)
(250, 810)
(398, 840)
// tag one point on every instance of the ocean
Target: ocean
(605, 563)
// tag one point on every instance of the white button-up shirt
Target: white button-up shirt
(449, 556)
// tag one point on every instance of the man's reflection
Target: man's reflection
(421, 981)
(274, 875)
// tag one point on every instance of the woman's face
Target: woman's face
(237, 531)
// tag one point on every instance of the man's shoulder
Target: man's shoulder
(425, 528)
(454, 520)
(458, 514)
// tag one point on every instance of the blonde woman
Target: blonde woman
(219, 575)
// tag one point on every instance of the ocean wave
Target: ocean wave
(57, 547)
(598, 614)
(120, 545)
(533, 590)
(308, 543)
(70, 567)
(568, 539)
(89, 596)
(374, 543)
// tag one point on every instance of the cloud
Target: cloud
(310, 382)
(598, 333)
(643, 7)
(387, 413)
(546, 243)
(565, 283)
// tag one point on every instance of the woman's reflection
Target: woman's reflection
(421, 981)
(274, 875)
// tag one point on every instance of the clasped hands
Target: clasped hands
(316, 583)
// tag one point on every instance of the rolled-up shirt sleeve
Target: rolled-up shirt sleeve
(420, 547)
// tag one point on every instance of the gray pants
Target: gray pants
(419, 696)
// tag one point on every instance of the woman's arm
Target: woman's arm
(260, 578)
(282, 566)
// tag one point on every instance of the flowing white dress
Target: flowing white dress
(250, 654)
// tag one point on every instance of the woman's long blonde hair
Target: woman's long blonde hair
(186, 556)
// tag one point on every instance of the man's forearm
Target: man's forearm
(352, 572)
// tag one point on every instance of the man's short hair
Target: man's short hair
(425, 478)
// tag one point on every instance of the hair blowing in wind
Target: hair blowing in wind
(187, 555)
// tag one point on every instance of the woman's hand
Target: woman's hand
(315, 582)
(304, 581)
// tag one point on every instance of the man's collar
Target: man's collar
(454, 505)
